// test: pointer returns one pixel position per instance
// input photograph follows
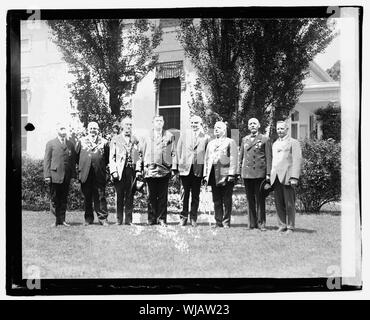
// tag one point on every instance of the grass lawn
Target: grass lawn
(181, 252)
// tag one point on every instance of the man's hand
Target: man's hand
(293, 182)
(267, 177)
(47, 180)
(204, 181)
(174, 172)
(115, 175)
(138, 174)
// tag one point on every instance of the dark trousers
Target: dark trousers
(285, 204)
(94, 191)
(158, 194)
(222, 199)
(256, 203)
(125, 195)
(190, 183)
(58, 200)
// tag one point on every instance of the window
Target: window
(171, 118)
(24, 119)
(170, 92)
(295, 125)
(25, 45)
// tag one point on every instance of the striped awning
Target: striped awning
(166, 70)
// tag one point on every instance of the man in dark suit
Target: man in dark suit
(158, 151)
(285, 172)
(93, 156)
(123, 157)
(220, 169)
(59, 168)
(255, 166)
(191, 149)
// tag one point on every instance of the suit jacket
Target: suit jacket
(158, 154)
(223, 154)
(191, 153)
(119, 149)
(95, 154)
(59, 161)
(255, 157)
(286, 160)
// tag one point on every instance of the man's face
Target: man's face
(158, 123)
(62, 131)
(127, 127)
(195, 124)
(253, 126)
(93, 131)
(281, 130)
(219, 130)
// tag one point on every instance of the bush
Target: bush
(35, 192)
(320, 181)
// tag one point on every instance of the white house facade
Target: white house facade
(165, 90)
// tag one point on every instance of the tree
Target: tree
(108, 57)
(334, 71)
(253, 67)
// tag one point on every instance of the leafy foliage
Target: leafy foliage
(334, 71)
(108, 57)
(253, 67)
(331, 121)
(320, 182)
(35, 192)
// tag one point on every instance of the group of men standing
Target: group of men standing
(196, 158)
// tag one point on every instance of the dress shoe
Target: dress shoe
(152, 223)
(118, 224)
(227, 226)
(66, 224)
(162, 223)
(216, 226)
(281, 229)
(263, 228)
(289, 231)
(182, 222)
(104, 223)
(194, 223)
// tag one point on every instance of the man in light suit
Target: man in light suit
(59, 168)
(191, 149)
(93, 156)
(123, 158)
(255, 166)
(285, 171)
(158, 152)
(220, 168)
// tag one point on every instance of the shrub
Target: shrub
(320, 181)
(35, 192)
(331, 121)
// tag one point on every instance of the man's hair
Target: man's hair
(125, 118)
(196, 117)
(158, 116)
(255, 120)
(91, 124)
(282, 121)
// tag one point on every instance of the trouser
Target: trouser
(158, 194)
(190, 183)
(58, 200)
(285, 204)
(256, 203)
(222, 199)
(125, 195)
(94, 191)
